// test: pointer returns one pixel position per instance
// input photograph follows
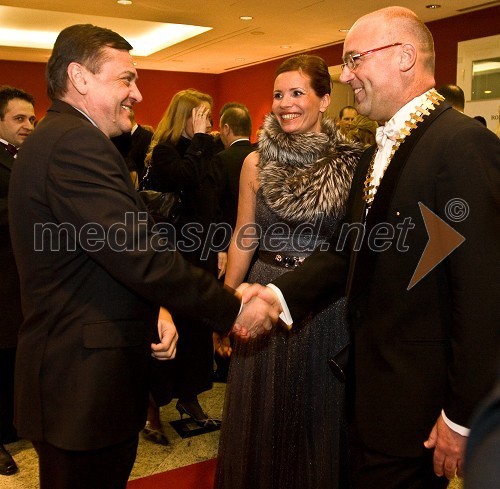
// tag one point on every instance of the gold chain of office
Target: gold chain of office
(432, 99)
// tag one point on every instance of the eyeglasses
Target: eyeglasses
(351, 61)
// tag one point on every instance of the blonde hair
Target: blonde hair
(174, 120)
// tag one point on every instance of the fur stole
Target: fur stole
(303, 175)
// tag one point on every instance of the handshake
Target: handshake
(260, 310)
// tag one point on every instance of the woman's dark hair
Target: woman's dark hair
(312, 66)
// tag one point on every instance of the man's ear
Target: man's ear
(77, 75)
(226, 129)
(408, 57)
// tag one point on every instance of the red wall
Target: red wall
(29, 77)
(253, 85)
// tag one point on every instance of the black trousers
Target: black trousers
(106, 468)
(380, 471)
(7, 361)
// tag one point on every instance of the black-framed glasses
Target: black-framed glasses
(351, 61)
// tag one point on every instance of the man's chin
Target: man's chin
(122, 130)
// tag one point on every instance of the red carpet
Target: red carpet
(196, 476)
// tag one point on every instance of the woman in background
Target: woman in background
(283, 420)
(178, 160)
(362, 130)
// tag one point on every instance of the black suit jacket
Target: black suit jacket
(141, 139)
(431, 347)
(227, 168)
(134, 147)
(92, 277)
(10, 299)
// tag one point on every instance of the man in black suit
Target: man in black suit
(134, 146)
(141, 139)
(17, 118)
(454, 95)
(93, 273)
(347, 114)
(424, 324)
(235, 131)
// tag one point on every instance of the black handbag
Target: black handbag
(163, 206)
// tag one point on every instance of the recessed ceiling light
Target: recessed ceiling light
(146, 37)
(124, 2)
(285, 46)
(239, 59)
(246, 17)
(433, 5)
(343, 30)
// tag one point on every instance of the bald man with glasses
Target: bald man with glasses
(418, 259)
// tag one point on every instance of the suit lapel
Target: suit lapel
(362, 263)
(356, 207)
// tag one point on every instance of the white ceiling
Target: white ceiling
(231, 43)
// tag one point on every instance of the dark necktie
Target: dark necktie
(10, 148)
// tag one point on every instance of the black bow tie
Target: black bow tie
(10, 148)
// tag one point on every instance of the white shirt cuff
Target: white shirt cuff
(461, 430)
(285, 316)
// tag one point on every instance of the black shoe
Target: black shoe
(7, 464)
(195, 412)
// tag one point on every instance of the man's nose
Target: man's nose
(346, 75)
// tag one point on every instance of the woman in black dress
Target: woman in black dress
(283, 420)
(179, 160)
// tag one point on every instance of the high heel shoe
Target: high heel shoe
(154, 435)
(196, 413)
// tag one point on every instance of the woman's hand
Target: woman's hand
(200, 118)
(222, 344)
(221, 263)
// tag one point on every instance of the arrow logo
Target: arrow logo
(443, 240)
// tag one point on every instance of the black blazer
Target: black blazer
(134, 147)
(10, 299)
(431, 347)
(140, 140)
(227, 167)
(90, 293)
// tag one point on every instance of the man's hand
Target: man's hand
(260, 311)
(167, 348)
(449, 448)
